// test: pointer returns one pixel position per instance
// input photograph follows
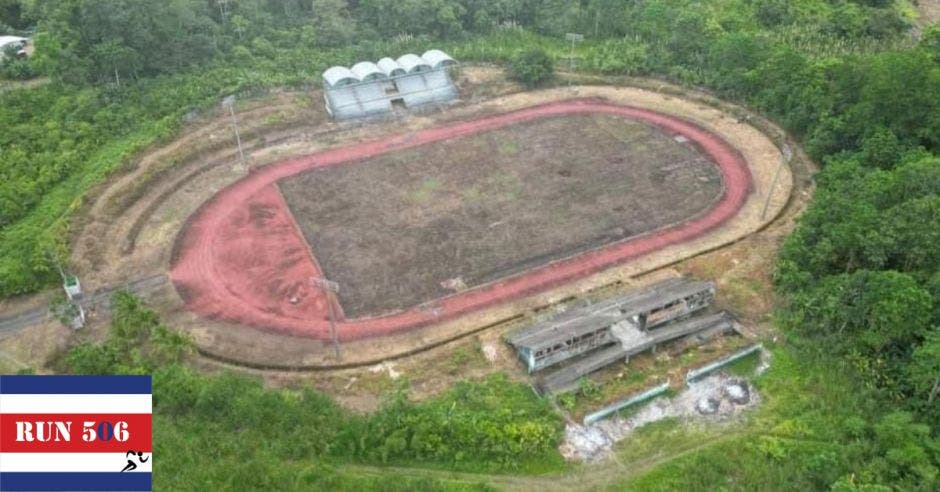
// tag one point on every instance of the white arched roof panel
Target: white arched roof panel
(413, 63)
(366, 71)
(5, 40)
(391, 67)
(339, 76)
(438, 59)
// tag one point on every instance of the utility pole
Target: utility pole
(329, 288)
(229, 102)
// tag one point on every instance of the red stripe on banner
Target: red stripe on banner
(71, 433)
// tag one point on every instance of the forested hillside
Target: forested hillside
(859, 278)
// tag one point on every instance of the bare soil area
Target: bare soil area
(408, 227)
(929, 11)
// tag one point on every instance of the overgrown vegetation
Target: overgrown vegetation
(812, 431)
(532, 67)
(205, 424)
(860, 276)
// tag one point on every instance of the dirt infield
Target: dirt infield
(412, 226)
(243, 259)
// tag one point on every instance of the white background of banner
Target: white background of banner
(76, 404)
(71, 462)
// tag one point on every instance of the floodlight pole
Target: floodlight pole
(574, 38)
(238, 138)
(330, 289)
(230, 102)
(329, 302)
(785, 159)
(571, 57)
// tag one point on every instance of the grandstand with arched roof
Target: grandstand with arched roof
(368, 88)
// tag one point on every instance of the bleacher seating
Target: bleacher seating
(369, 90)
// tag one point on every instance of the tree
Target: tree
(485, 15)
(333, 23)
(438, 18)
(621, 56)
(532, 67)
(555, 17)
(869, 219)
(772, 13)
(924, 373)
(899, 91)
(915, 229)
(908, 455)
(11, 14)
(733, 57)
(873, 320)
(930, 42)
(103, 40)
(112, 57)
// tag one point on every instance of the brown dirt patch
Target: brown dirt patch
(929, 11)
(412, 226)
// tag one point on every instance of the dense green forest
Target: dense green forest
(859, 278)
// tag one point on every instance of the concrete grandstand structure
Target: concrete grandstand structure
(368, 88)
(586, 339)
(582, 330)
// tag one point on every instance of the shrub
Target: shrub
(532, 67)
(16, 69)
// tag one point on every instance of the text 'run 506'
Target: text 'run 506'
(59, 431)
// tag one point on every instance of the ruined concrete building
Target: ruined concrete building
(591, 337)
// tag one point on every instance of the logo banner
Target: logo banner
(78, 433)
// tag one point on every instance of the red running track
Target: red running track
(242, 258)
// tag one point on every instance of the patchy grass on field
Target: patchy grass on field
(407, 227)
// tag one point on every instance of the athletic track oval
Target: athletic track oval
(223, 270)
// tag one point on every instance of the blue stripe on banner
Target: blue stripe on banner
(75, 385)
(82, 481)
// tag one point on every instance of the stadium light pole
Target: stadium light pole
(787, 156)
(229, 102)
(574, 38)
(329, 288)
